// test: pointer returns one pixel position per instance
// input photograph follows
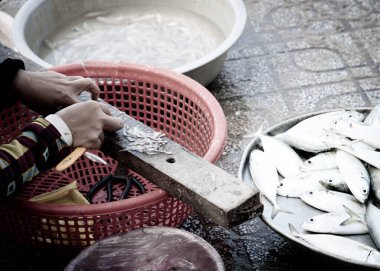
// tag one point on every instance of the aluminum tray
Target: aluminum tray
(301, 210)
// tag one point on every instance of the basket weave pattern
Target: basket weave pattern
(165, 101)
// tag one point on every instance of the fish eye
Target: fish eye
(350, 115)
(311, 193)
(309, 162)
(330, 181)
(365, 191)
(311, 219)
(281, 184)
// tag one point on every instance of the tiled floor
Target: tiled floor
(294, 57)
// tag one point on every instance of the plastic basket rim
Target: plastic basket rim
(218, 117)
(212, 155)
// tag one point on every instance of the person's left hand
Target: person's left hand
(45, 92)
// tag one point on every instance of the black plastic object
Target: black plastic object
(108, 182)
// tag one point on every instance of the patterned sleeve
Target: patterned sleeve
(38, 148)
(8, 71)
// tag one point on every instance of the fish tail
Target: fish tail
(354, 217)
(292, 229)
(258, 132)
(276, 209)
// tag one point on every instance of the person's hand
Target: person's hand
(87, 122)
(44, 92)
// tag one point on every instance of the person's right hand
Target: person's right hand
(44, 92)
(87, 122)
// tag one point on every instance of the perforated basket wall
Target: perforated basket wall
(173, 103)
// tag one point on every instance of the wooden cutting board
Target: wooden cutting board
(208, 189)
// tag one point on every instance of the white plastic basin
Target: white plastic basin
(39, 18)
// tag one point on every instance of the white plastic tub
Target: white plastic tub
(39, 18)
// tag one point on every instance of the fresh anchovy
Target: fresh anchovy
(372, 218)
(333, 201)
(334, 223)
(340, 246)
(355, 174)
(375, 182)
(265, 176)
(323, 160)
(286, 160)
(95, 158)
(358, 130)
(296, 185)
(309, 134)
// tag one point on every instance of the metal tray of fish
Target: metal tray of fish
(300, 210)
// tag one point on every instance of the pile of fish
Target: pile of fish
(331, 162)
(158, 35)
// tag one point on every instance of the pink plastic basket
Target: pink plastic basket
(166, 101)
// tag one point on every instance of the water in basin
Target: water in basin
(150, 34)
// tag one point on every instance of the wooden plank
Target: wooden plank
(208, 189)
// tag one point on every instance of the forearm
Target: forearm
(39, 147)
(8, 72)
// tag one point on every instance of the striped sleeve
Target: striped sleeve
(37, 148)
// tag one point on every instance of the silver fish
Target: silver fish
(309, 134)
(286, 160)
(375, 182)
(355, 174)
(372, 219)
(358, 130)
(312, 180)
(333, 223)
(95, 158)
(323, 160)
(369, 156)
(373, 115)
(340, 246)
(265, 176)
(323, 121)
(332, 201)
(306, 141)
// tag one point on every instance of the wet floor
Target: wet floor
(294, 57)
